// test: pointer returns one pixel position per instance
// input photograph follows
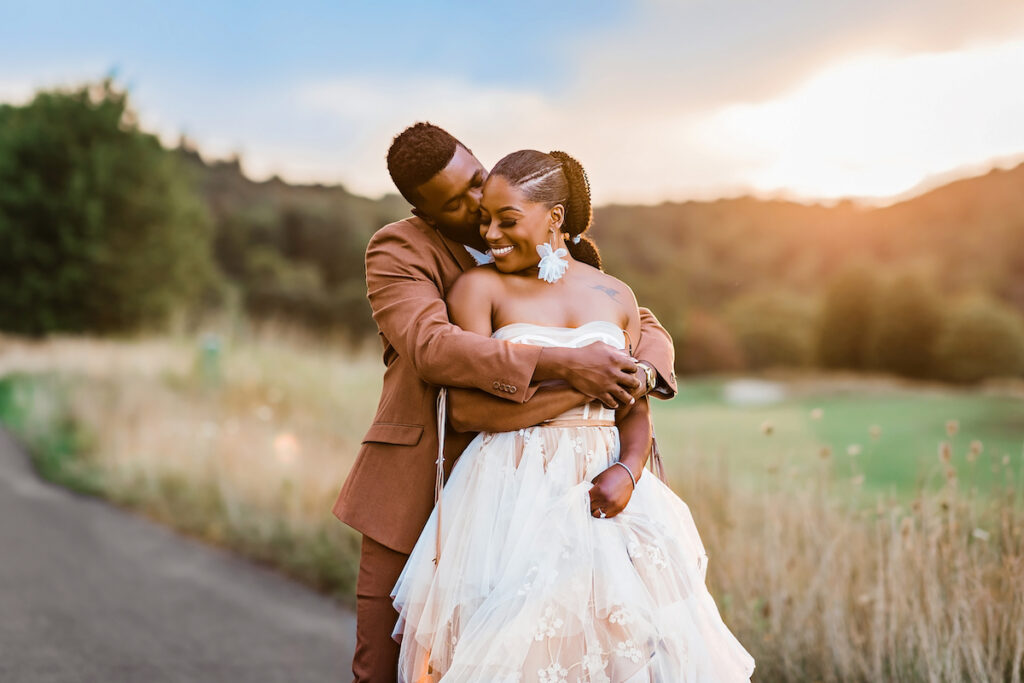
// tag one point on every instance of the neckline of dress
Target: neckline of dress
(558, 327)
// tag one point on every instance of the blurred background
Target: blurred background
(823, 203)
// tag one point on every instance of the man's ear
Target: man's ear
(424, 217)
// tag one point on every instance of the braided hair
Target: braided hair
(556, 178)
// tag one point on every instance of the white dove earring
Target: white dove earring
(553, 262)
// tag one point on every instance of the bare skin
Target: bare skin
(490, 297)
(451, 202)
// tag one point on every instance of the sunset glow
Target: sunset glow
(660, 101)
(877, 126)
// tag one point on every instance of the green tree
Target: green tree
(981, 338)
(846, 315)
(773, 328)
(907, 321)
(100, 225)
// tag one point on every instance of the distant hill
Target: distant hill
(968, 234)
(296, 251)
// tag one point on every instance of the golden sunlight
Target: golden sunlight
(879, 125)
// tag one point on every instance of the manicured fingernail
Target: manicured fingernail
(632, 401)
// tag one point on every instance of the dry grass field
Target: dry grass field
(821, 578)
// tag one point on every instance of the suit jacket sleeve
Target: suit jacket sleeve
(402, 282)
(655, 347)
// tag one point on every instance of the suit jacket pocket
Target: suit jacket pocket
(394, 433)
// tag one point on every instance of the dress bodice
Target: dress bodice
(572, 337)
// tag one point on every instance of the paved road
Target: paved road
(89, 593)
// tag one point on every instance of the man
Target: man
(410, 267)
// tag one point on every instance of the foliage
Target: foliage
(773, 328)
(845, 322)
(706, 344)
(907, 320)
(100, 227)
(982, 338)
(294, 252)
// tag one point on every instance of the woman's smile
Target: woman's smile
(503, 250)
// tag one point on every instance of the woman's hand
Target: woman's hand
(611, 492)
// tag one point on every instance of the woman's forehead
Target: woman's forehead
(499, 193)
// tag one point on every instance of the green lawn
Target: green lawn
(911, 424)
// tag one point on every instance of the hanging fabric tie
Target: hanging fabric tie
(442, 407)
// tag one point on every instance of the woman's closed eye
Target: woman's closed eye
(506, 224)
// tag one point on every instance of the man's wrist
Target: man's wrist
(650, 375)
(551, 364)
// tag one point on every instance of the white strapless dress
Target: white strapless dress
(531, 588)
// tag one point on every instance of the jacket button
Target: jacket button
(512, 389)
(497, 384)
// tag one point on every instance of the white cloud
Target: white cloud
(878, 125)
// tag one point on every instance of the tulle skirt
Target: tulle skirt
(530, 587)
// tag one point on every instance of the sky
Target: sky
(660, 100)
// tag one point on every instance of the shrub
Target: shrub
(981, 338)
(706, 344)
(773, 328)
(846, 315)
(100, 227)
(907, 321)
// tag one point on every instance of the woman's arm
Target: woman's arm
(613, 488)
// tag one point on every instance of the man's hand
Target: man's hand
(597, 370)
(611, 492)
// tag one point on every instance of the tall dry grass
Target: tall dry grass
(818, 581)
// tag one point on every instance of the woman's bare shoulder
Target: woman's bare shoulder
(486, 276)
(611, 285)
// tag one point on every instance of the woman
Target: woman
(559, 559)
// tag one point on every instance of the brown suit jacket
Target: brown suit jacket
(410, 268)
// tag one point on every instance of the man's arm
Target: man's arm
(475, 411)
(655, 347)
(410, 311)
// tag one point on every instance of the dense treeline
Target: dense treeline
(104, 229)
(100, 229)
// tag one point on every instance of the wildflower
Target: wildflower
(906, 526)
(817, 413)
(875, 431)
(952, 427)
(945, 452)
(980, 534)
(853, 449)
(767, 428)
(976, 449)
(825, 453)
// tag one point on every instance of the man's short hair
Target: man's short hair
(416, 155)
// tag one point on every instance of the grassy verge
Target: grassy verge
(820, 575)
(240, 461)
(34, 408)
